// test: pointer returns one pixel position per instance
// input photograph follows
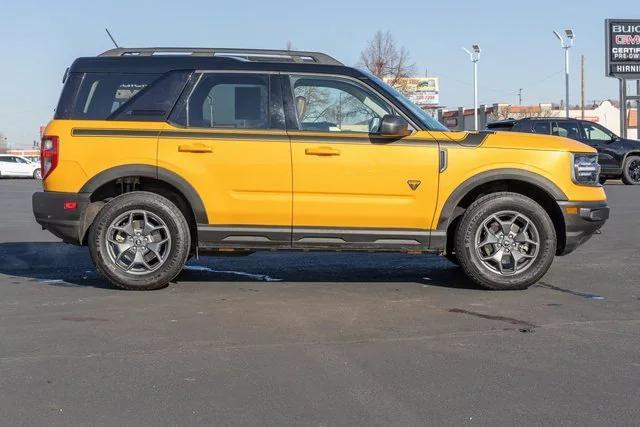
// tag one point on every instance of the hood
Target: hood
(524, 141)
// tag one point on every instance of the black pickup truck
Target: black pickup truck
(619, 158)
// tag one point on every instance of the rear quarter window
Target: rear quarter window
(119, 96)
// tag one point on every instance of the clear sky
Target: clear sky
(38, 40)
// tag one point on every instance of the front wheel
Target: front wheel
(139, 241)
(631, 170)
(505, 241)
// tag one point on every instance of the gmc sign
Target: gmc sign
(623, 48)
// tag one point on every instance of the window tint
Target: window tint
(8, 159)
(97, 95)
(155, 101)
(596, 133)
(542, 127)
(234, 101)
(336, 105)
(20, 160)
(566, 129)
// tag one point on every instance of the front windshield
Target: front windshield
(425, 119)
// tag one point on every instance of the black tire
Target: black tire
(474, 218)
(36, 174)
(602, 180)
(631, 170)
(175, 226)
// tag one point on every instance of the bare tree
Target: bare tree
(504, 112)
(384, 59)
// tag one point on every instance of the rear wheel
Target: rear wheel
(631, 170)
(37, 174)
(139, 241)
(505, 241)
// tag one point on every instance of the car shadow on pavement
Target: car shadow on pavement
(59, 264)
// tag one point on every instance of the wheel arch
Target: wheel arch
(147, 178)
(529, 184)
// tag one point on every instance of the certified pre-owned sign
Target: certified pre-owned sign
(623, 48)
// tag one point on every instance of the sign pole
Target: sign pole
(623, 108)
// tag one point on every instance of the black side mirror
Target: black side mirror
(393, 126)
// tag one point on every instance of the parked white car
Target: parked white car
(18, 166)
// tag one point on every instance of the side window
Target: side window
(10, 159)
(97, 95)
(567, 130)
(336, 105)
(155, 101)
(227, 101)
(20, 160)
(596, 133)
(542, 127)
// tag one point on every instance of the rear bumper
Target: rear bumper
(67, 224)
(582, 220)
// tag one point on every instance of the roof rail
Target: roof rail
(258, 55)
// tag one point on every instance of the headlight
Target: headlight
(586, 170)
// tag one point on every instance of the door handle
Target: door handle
(195, 148)
(322, 151)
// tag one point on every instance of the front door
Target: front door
(601, 139)
(351, 188)
(227, 140)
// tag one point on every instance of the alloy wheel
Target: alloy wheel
(507, 243)
(634, 170)
(138, 242)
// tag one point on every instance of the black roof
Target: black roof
(201, 60)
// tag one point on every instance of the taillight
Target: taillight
(49, 152)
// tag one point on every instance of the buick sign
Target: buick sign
(623, 48)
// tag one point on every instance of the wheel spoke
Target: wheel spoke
(490, 238)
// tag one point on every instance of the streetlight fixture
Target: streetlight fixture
(566, 45)
(474, 55)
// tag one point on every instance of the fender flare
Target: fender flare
(448, 212)
(155, 172)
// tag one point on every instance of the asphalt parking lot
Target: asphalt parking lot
(316, 338)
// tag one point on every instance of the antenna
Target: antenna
(111, 37)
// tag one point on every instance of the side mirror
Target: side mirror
(393, 126)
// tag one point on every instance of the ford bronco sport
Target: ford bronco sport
(158, 154)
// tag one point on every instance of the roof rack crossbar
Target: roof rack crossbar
(244, 54)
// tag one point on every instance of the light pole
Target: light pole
(566, 45)
(475, 57)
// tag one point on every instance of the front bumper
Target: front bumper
(582, 220)
(50, 212)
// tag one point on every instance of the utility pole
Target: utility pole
(520, 96)
(566, 45)
(582, 87)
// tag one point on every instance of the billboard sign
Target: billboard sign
(622, 48)
(422, 91)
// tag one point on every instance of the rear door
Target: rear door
(227, 139)
(9, 166)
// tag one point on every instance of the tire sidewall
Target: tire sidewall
(175, 222)
(473, 219)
